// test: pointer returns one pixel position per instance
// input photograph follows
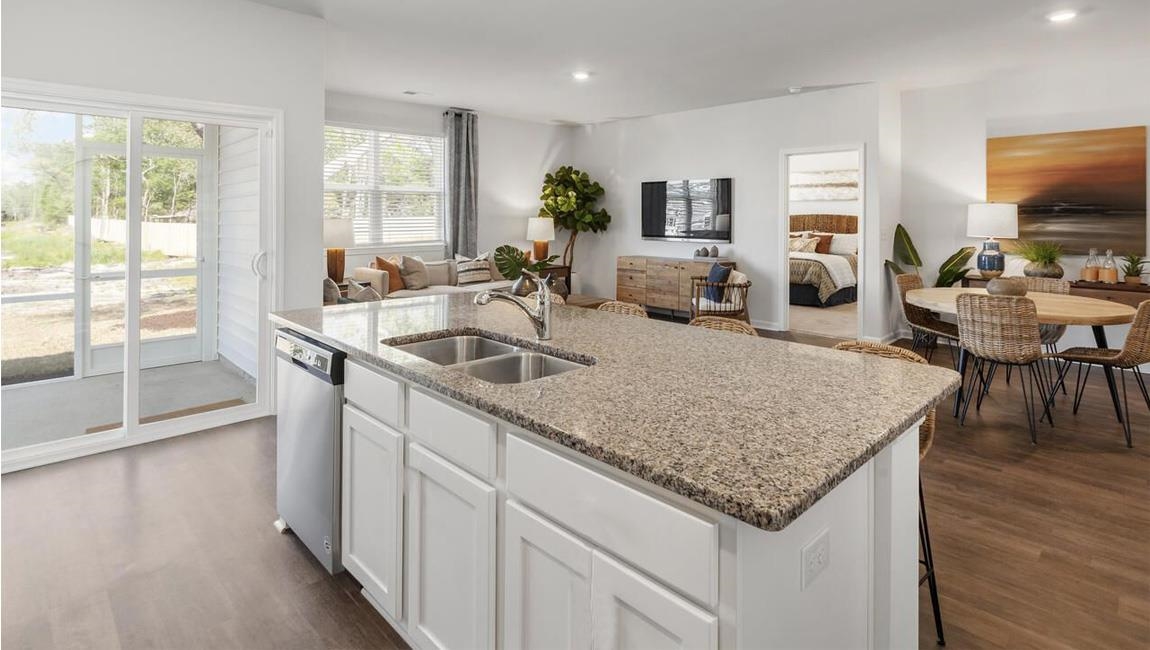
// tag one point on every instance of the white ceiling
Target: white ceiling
(515, 57)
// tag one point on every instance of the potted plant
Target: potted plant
(511, 263)
(1043, 257)
(569, 197)
(1132, 266)
(949, 272)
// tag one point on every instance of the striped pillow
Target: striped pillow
(472, 271)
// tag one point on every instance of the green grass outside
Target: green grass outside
(40, 246)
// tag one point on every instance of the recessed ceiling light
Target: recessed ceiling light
(580, 75)
(1061, 15)
(794, 90)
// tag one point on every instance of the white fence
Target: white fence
(171, 239)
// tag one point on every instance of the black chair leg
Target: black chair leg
(969, 394)
(1028, 402)
(1126, 410)
(1045, 391)
(1080, 388)
(928, 562)
(1142, 385)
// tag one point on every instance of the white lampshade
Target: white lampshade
(992, 220)
(338, 233)
(540, 229)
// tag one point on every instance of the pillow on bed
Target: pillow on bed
(845, 245)
(825, 239)
(800, 233)
(801, 245)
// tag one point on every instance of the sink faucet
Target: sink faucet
(540, 313)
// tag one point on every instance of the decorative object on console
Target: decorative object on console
(951, 271)
(1132, 266)
(1043, 257)
(540, 231)
(1108, 274)
(714, 251)
(703, 252)
(1006, 287)
(1092, 266)
(991, 220)
(1081, 189)
(569, 197)
(338, 234)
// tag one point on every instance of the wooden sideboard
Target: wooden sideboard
(1124, 293)
(661, 282)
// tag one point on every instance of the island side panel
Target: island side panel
(863, 534)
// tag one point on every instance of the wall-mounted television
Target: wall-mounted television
(693, 209)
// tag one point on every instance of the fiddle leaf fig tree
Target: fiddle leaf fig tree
(569, 197)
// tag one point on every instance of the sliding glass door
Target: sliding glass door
(134, 288)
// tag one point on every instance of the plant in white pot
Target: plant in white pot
(1132, 266)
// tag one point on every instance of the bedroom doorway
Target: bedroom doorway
(822, 198)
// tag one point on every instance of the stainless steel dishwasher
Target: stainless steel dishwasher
(309, 401)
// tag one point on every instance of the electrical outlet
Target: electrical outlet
(816, 557)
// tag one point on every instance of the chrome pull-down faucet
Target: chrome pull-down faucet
(540, 313)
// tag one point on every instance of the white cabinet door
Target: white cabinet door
(450, 555)
(630, 612)
(372, 528)
(547, 585)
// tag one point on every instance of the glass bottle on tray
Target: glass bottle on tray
(1109, 272)
(1090, 271)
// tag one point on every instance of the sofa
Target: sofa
(380, 280)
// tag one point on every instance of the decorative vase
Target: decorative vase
(1006, 287)
(991, 262)
(702, 252)
(1036, 270)
(524, 285)
(1134, 279)
(714, 251)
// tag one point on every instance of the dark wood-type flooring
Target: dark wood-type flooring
(170, 544)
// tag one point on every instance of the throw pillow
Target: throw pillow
(845, 245)
(439, 273)
(825, 239)
(357, 292)
(802, 245)
(718, 273)
(472, 271)
(414, 272)
(330, 292)
(394, 276)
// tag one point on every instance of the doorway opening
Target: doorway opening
(823, 216)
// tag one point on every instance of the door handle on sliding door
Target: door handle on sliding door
(257, 260)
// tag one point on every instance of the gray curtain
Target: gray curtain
(462, 170)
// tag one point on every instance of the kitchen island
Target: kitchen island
(690, 487)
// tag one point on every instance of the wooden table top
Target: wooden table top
(1053, 308)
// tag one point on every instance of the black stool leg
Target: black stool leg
(1126, 410)
(928, 562)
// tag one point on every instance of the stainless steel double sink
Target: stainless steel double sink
(490, 360)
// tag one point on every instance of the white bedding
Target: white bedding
(837, 266)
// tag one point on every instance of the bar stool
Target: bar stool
(925, 441)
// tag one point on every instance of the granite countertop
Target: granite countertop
(755, 428)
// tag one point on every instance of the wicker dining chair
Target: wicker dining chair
(1135, 352)
(732, 294)
(925, 441)
(556, 299)
(926, 327)
(724, 325)
(625, 308)
(1003, 330)
(1050, 334)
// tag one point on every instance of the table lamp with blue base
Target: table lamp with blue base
(992, 220)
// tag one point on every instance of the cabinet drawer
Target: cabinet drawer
(371, 392)
(625, 278)
(466, 439)
(672, 545)
(629, 294)
(632, 262)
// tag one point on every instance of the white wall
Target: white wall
(742, 141)
(944, 133)
(212, 50)
(513, 157)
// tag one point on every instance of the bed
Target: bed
(825, 279)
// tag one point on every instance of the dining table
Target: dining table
(1052, 309)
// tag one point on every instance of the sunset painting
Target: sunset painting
(1082, 189)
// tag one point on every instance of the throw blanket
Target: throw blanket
(828, 273)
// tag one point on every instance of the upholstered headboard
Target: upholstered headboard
(834, 223)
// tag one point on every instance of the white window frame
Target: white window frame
(438, 246)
